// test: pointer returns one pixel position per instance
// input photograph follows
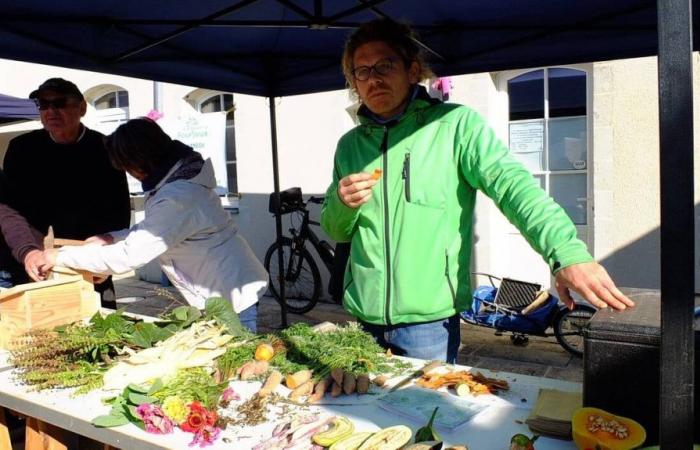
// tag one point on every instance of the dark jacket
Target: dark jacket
(17, 237)
(72, 187)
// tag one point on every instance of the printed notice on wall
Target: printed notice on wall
(527, 137)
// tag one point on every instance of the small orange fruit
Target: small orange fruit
(264, 352)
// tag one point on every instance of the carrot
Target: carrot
(362, 383)
(302, 390)
(270, 384)
(296, 379)
(349, 383)
(376, 174)
(320, 389)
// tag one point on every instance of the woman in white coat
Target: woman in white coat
(185, 227)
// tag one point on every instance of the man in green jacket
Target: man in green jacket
(410, 225)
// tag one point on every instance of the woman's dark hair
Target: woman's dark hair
(138, 144)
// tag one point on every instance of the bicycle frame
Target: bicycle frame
(299, 239)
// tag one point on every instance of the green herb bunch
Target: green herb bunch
(192, 384)
(348, 347)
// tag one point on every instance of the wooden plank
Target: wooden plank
(5, 441)
(43, 436)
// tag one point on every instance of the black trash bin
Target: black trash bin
(621, 362)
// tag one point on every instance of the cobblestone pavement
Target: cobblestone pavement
(480, 347)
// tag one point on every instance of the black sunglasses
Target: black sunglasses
(57, 103)
(381, 67)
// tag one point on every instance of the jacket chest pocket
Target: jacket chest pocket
(424, 179)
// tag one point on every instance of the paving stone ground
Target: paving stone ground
(480, 346)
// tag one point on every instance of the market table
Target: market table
(489, 429)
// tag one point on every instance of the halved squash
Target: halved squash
(595, 428)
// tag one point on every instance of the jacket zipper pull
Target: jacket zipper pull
(406, 175)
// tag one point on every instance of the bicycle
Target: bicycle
(301, 274)
(522, 309)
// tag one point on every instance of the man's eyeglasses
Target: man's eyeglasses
(57, 103)
(382, 67)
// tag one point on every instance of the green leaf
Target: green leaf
(146, 334)
(137, 388)
(155, 387)
(139, 399)
(221, 310)
(180, 313)
(131, 414)
(111, 420)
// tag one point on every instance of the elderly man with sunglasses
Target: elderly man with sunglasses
(61, 176)
(403, 194)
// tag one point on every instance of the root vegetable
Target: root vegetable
(302, 390)
(462, 389)
(296, 379)
(337, 375)
(320, 389)
(270, 384)
(264, 352)
(252, 369)
(362, 383)
(349, 383)
(380, 380)
(336, 390)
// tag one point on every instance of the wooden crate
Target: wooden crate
(66, 298)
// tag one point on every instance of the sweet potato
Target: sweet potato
(320, 389)
(296, 379)
(270, 384)
(362, 383)
(349, 383)
(337, 375)
(336, 390)
(302, 390)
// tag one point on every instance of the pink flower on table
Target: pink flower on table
(205, 436)
(154, 419)
(229, 395)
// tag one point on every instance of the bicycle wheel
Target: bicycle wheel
(302, 286)
(568, 327)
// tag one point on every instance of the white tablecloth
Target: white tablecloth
(489, 429)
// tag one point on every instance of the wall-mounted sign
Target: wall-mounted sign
(526, 137)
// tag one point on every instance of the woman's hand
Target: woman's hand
(100, 239)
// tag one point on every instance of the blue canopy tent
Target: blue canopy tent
(13, 109)
(287, 47)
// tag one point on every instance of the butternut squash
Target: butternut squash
(596, 428)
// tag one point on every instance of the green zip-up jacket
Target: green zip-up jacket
(411, 243)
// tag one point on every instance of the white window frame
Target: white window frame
(585, 231)
(198, 97)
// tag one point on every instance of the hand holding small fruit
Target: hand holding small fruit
(356, 189)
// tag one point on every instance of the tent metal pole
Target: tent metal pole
(677, 224)
(278, 217)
